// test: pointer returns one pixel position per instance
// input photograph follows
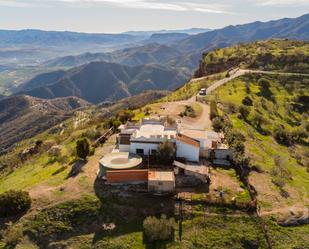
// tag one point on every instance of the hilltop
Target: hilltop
(269, 55)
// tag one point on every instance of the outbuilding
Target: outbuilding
(161, 181)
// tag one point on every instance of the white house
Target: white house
(145, 138)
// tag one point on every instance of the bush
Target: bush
(264, 83)
(158, 230)
(13, 235)
(14, 202)
(217, 124)
(231, 107)
(92, 134)
(247, 101)
(282, 136)
(125, 115)
(298, 135)
(82, 148)
(258, 120)
(244, 111)
(166, 153)
(233, 137)
(189, 112)
(113, 122)
(213, 110)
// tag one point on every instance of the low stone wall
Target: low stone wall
(127, 176)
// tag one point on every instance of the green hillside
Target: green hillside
(272, 113)
(272, 55)
(268, 113)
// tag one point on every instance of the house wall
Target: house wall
(127, 176)
(223, 153)
(124, 148)
(161, 186)
(183, 150)
(147, 147)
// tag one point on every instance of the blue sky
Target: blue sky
(122, 15)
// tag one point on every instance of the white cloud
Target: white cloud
(294, 3)
(134, 4)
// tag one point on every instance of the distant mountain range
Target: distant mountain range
(56, 38)
(289, 28)
(186, 52)
(191, 31)
(147, 54)
(102, 81)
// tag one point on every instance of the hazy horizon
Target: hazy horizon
(118, 16)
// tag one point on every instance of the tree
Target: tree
(14, 202)
(166, 153)
(213, 110)
(217, 124)
(125, 115)
(157, 230)
(244, 111)
(247, 101)
(82, 148)
(264, 83)
(282, 136)
(257, 120)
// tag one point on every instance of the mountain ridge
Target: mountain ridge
(292, 28)
(101, 81)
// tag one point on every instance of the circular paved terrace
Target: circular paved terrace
(120, 160)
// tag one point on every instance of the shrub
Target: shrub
(217, 124)
(231, 107)
(234, 136)
(125, 115)
(244, 111)
(282, 136)
(298, 135)
(14, 202)
(158, 230)
(13, 235)
(213, 110)
(92, 134)
(248, 90)
(258, 120)
(166, 153)
(113, 122)
(189, 111)
(264, 83)
(247, 101)
(82, 148)
(240, 160)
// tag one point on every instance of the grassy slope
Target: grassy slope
(263, 148)
(282, 55)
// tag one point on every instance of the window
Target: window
(140, 151)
